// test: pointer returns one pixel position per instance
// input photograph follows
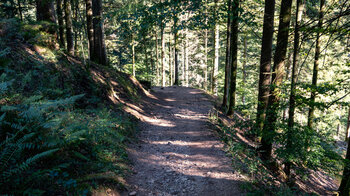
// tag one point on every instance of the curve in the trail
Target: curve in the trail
(177, 153)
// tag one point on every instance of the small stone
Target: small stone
(169, 143)
(174, 192)
(133, 193)
(184, 179)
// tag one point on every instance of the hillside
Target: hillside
(64, 121)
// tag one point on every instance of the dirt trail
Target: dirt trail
(177, 153)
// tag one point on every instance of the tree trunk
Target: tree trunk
(90, 27)
(75, 5)
(133, 58)
(214, 83)
(170, 63)
(311, 115)
(153, 66)
(163, 54)
(288, 70)
(300, 9)
(186, 60)
(157, 59)
(269, 128)
(233, 56)
(69, 28)
(60, 23)
(148, 67)
(206, 60)
(20, 10)
(99, 52)
(183, 83)
(265, 64)
(344, 188)
(176, 53)
(347, 127)
(227, 61)
(244, 67)
(45, 11)
(206, 48)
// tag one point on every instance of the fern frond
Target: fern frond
(11, 149)
(25, 165)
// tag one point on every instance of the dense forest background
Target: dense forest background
(283, 65)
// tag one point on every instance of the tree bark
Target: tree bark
(133, 58)
(344, 188)
(157, 59)
(265, 64)
(176, 52)
(186, 60)
(45, 11)
(244, 67)
(288, 73)
(269, 127)
(60, 23)
(90, 27)
(233, 56)
(206, 48)
(227, 61)
(214, 83)
(20, 12)
(206, 60)
(99, 52)
(148, 67)
(347, 127)
(163, 54)
(311, 115)
(75, 5)
(170, 63)
(300, 9)
(69, 28)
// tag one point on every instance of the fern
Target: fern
(25, 165)
(4, 86)
(10, 148)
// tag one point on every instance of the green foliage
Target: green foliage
(56, 146)
(59, 135)
(310, 150)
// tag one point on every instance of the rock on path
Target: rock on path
(177, 153)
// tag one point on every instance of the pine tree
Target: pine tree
(277, 77)
(69, 27)
(292, 97)
(315, 68)
(233, 56)
(265, 64)
(60, 23)
(99, 47)
(90, 27)
(227, 60)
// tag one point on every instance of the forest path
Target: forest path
(177, 153)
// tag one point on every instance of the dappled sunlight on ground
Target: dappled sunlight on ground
(177, 153)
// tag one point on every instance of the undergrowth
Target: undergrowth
(59, 135)
(245, 160)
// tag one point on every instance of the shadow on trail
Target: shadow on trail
(177, 153)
